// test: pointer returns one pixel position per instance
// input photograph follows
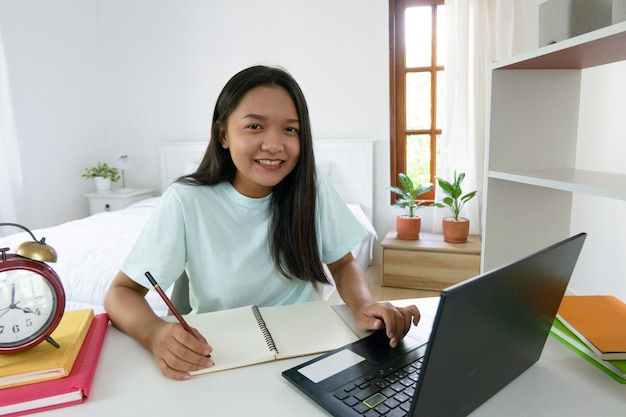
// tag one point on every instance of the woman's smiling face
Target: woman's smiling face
(263, 136)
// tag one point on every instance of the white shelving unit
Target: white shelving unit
(539, 185)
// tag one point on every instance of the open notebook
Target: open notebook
(250, 335)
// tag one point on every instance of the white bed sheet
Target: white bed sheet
(363, 252)
(91, 250)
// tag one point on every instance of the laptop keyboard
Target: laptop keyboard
(387, 392)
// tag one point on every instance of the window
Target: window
(416, 74)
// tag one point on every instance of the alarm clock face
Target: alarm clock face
(27, 307)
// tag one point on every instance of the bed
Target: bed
(91, 250)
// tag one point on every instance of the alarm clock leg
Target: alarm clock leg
(50, 340)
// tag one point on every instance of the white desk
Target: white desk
(128, 382)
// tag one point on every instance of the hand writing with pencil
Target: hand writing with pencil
(177, 352)
(174, 349)
(177, 348)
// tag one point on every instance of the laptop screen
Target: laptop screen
(487, 331)
(490, 329)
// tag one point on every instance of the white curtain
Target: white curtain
(10, 167)
(478, 32)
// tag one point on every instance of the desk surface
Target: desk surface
(128, 381)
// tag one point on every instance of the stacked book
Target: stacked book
(594, 327)
(45, 377)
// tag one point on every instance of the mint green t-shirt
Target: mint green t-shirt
(220, 238)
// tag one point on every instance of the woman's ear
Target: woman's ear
(221, 135)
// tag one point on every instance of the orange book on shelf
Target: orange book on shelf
(599, 321)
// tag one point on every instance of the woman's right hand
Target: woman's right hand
(177, 352)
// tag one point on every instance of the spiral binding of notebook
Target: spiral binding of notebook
(266, 333)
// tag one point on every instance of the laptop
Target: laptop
(487, 331)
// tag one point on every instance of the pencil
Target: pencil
(169, 303)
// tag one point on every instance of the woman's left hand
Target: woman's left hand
(396, 320)
(369, 315)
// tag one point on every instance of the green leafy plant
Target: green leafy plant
(102, 170)
(454, 200)
(408, 194)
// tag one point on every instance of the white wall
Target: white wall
(95, 78)
(55, 71)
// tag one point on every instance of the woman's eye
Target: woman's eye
(254, 126)
(291, 130)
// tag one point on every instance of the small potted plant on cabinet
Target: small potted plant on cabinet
(455, 228)
(103, 176)
(408, 225)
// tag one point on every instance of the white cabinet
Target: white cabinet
(115, 200)
(541, 186)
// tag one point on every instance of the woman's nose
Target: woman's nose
(272, 143)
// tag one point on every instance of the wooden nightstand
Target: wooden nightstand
(115, 200)
(428, 263)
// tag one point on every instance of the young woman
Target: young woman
(253, 225)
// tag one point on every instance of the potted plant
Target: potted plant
(408, 225)
(103, 176)
(455, 228)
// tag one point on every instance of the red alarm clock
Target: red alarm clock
(32, 298)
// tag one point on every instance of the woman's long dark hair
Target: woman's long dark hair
(293, 241)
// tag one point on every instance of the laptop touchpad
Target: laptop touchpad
(377, 349)
(374, 348)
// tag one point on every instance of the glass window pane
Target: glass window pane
(418, 101)
(437, 151)
(440, 98)
(441, 35)
(418, 33)
(418, 158)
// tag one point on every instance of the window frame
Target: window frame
(397, 88)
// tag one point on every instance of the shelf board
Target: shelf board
(601, 184)
(599, 47)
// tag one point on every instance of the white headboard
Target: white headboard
(349, 163)
(179, 158)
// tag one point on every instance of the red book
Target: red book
(73, 389)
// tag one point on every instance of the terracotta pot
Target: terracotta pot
(408, 228)
(455, 231)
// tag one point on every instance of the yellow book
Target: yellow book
(44, 361)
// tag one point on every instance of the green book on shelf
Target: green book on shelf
(616, 369)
